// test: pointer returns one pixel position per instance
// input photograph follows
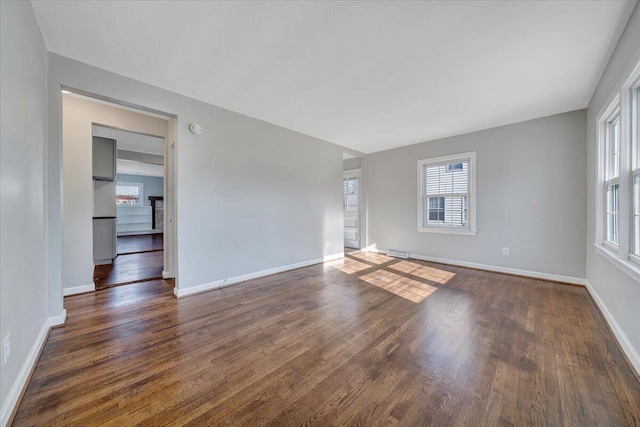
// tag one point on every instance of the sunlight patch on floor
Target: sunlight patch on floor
(405, 266)
(433, 274)
(402, 286)
(423, 271)
(371, 257)
(351, 266)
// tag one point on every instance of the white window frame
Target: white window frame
(470, 229)
(634, 252)
(140, 186)
(608, 157)
(622, 99)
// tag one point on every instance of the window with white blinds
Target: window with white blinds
(445, 194)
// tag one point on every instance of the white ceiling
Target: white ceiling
(366, 75)
(132, 141)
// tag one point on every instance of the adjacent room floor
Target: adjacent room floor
(365, 340)
(140, 243)
(139, 258)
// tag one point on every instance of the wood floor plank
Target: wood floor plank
(140, 243)
(351, 342)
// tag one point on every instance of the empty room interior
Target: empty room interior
(320, 213)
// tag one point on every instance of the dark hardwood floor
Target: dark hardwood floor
(140, 243)
(139, 258)
(367, 340)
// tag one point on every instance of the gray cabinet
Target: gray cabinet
(104, 158)
(104, 240)
(104, 198)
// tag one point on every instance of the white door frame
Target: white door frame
(170, 245)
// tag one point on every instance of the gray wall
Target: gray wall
(620, 293)
(242, 205)
(352, 163)
(23, 293)
(531, 197)
(153, 185)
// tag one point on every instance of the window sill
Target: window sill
(629, 267)
(447, 230)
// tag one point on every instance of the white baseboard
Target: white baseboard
(32, 358)
(218, 284)
(57, 320)
(497, 269)
(624, 342)
(79, 289)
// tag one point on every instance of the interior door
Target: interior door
(351, 206)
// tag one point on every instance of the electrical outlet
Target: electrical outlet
(6, 349)
(505, 251)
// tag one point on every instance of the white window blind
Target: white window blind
(447, 190)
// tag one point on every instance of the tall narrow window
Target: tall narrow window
(612, 179)
(635, 149)
(445, 194)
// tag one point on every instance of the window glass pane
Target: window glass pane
(450, 211)
(350, 199)
(350, 185)
(127, 195)
(636, 214)
(352, 202)
(613, 213)
(635, 128)
(612, 147)
(616, 148)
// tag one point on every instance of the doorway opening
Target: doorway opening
(118, 194)
(139, 204)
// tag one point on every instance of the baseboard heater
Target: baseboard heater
(397, 254)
